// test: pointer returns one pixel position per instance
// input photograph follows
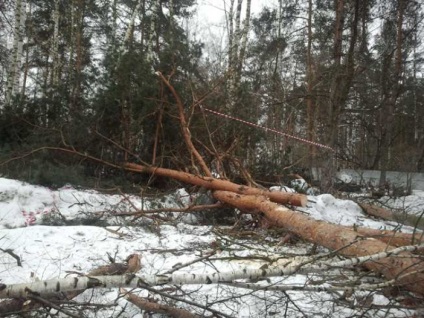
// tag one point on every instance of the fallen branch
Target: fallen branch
(156, 307)
(10, 252)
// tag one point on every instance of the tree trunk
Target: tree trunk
(281, 267)
(237, 42)
(310, 109)
(391, 95)
(341, 81)
(18, 34)
(219, 184)
(406, 270)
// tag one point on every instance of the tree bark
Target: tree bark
(219, 184)
(377, 211)
(406, 270)
(15, 68)
(18, 303)
(282, 267)
(156, 307)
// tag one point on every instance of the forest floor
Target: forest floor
(58, 232)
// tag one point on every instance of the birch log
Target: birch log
(285, 267)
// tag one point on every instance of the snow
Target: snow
(48, 251)
(344, 212)
(411, 204)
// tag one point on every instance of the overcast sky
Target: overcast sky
(212, 11)
(209, 23)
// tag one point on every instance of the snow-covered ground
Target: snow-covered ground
(47, 251)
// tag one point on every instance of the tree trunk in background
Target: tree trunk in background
(153, 36)
(79, 7)
(27, 57)
(243, 40)
(310, 107)
(237, 42)
(391, 95)
(55, 46)
(341, 83)
(18, 38)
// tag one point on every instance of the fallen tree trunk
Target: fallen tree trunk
(21, 304)
(377, 211)
(283, 267)
(392, 238)
(295, 199)
(406, 270)
(335, 237)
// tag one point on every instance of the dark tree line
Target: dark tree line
(81, 74)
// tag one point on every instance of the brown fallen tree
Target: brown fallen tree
(406, 270)
(377, 211)
(391, 237)
(211, 183)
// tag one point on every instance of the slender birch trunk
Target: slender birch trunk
(55, 45)
(18, 35)
(237, 43)
(283, 267)
(310, 107)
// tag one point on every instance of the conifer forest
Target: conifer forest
(81, 75)
(191, 112)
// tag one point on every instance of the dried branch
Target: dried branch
(10, 252)
(155, 307)
(184, 127)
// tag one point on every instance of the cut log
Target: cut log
(295, 199)
(406, 269)
(377, 211)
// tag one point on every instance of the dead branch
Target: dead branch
(156, 307)
(10, 252)
(184, 127)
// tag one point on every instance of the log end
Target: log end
(303, 200)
